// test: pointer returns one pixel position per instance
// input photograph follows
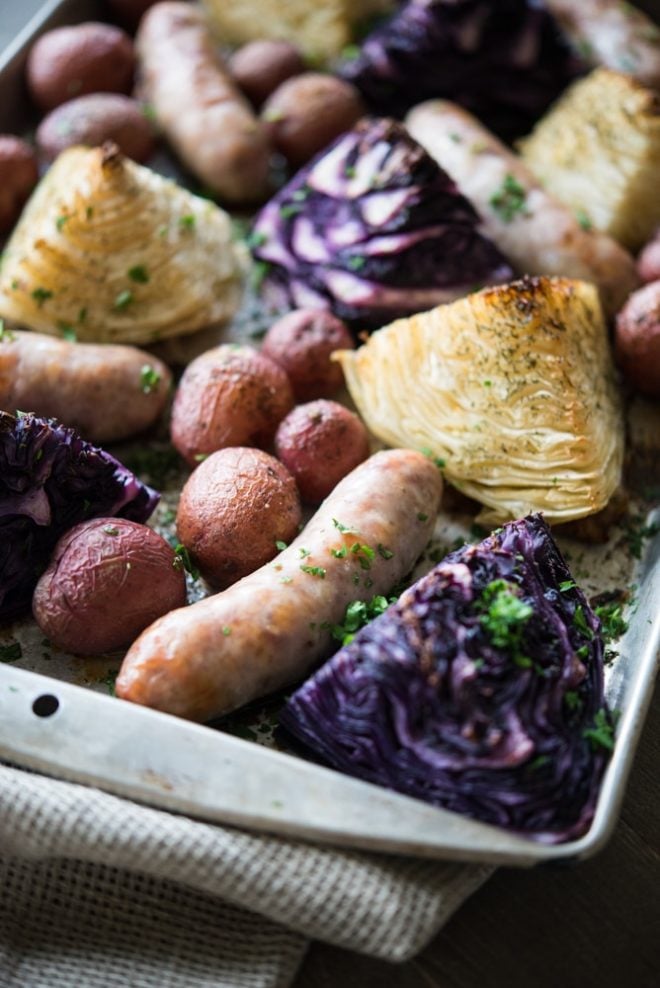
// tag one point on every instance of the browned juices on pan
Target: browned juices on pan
(208, 122)
(269, 629)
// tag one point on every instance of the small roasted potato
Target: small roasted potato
(259, 67)
(93, 120)
(302, 342)
(234, 509)
(230, 396)
(307, 112)
(108, 579)
(320, 443)
(18, 176)
(105, 391)
(72, 61)
(648, 261)
(637, 340)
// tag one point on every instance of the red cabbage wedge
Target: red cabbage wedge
(51, 479)
(506, 62)
(479, 690)
(373, 229)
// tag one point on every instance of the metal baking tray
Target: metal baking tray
(57, 716)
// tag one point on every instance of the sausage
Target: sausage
(270, 628)
(537, 233)
(104, 391)
(208, 122)
(611, 33)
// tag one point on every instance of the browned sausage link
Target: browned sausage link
(210, 125)
(105, 391)
(269, 629)
(612, 33)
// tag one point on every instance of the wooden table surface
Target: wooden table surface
(593, 925)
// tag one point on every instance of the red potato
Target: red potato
(18, 176)
(269, 629)
(93, 120)
(230, 396)
(638, 339)
(233, 510)
(109, 578)
(302, 343)
(105, 391)
(210, 125)
(307, 112)
(320, 443)
(648, 262)
(259, 67)
(73, 61)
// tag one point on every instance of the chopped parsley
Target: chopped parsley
(583, 220)
(319, 571)
(580, 622)
(567, 585)
(421, 516)
(383, 552)
(504, 616)
(187, 222)
(226, 630)
(279, 545)
(256, 239)
(344, 529)
(11, 653)
(139, 274)
(439, 462)
(60, 221)
(149, 378)
(613, 624)
(6, 335)
(123, 299)
(364, 553)
(601, 734)
(339, 553)
(110, 530)
(357, 614)
(41, 295)
(509, 200)
(67, 331)
(304, 552)
(182, 560)
(289, 210)
(356, 263)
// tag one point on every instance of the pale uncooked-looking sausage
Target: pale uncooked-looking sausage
(269, 629)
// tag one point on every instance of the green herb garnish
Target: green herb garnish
(149, 378)
(279, 545)
(11, 653)
(182, 560)
(6, 335)
(613, 624)
(319, 571)
(139, 274)
(509, 200)
(187, 222)
(601, 734)
(123, 299)
(41, 295)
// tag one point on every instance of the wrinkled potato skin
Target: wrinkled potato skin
(637, 338)
(301, 342)
(109, 578)
(18, 176)
(307, 112)
(94, 119)
(648, 262)
(320, 443)
(230, 396)
(72, 61)
(95, 388)
(233, 509)
(259, 67)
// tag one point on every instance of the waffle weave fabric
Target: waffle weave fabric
(99, 892)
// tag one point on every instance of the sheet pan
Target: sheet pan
(56, 714)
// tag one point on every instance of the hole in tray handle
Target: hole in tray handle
(45, 705)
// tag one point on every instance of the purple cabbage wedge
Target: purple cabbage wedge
(372, 229)
(51, 479)
(505, 61)
(479, 690)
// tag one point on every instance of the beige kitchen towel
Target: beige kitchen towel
(98, 891)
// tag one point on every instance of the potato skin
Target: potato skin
(230, 396)
(301, 342)
(648, 262)
(259, 67)
(307, 112)
(94, 119)
(637, 339)
(72, 61)
(105, 391)
(109, 578)
(18, 176)
(233, 509)
(320, 442)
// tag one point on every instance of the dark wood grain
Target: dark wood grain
(594, 925)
